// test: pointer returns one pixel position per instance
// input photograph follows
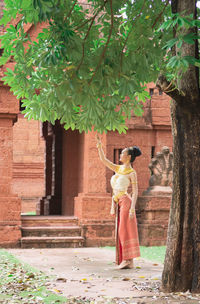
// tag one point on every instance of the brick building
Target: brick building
(58, 175)
(150, 133)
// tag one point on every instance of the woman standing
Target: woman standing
(123, 205)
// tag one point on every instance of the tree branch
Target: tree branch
(83, 45)
(71, 9)
(169, 88)
(87, 34)
(159, 16)
(107, 42)
(84, 23)
(88, 20)
(122, 51)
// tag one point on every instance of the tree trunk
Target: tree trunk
(182, 261)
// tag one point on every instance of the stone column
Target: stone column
(92, 205)
(10, 204)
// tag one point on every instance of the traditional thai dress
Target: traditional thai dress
(126, 233)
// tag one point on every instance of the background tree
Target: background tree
(89, 68)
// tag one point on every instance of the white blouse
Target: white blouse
(121, 180)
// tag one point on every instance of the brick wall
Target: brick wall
(10, 204)
(28, 162)
(28, 146)
(150, 133)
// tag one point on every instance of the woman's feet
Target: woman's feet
(126, 264)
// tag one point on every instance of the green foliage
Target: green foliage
(176, 65)
(88, 66)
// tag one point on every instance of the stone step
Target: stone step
(52, 242)
(53, 231)
(50, 220)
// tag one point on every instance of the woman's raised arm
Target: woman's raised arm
(102, 157)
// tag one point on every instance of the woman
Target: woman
(123, 205)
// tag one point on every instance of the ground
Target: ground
(89, 275)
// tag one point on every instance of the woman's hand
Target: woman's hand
(131, 213)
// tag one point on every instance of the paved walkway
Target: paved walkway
(91, 274)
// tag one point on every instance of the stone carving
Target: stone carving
(161, 168)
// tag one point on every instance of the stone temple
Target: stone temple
(54, 191)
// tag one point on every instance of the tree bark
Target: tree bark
(182, 262)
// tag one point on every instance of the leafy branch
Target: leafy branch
(87, 34)
(160, 15)
(125, 42)
(71, 9)
(89, 19)
(107, 42)
(84, 23)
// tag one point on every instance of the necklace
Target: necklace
(124, 171)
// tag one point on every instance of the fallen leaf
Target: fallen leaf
(56, 290)
(31, 276)
(126, 279)
(61, 280)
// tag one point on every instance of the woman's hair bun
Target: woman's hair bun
(137, 151)
(134, 152)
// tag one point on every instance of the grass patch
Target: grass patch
(154, 253)
(21, 283)
(29, 213)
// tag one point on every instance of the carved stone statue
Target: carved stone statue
(161, 169)
(154, 204)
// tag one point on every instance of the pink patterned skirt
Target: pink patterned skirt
(127, 243)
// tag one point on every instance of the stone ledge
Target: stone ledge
(52, 242)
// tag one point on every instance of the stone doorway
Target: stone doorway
(62, 170)
(55, 224)
(72, 167)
